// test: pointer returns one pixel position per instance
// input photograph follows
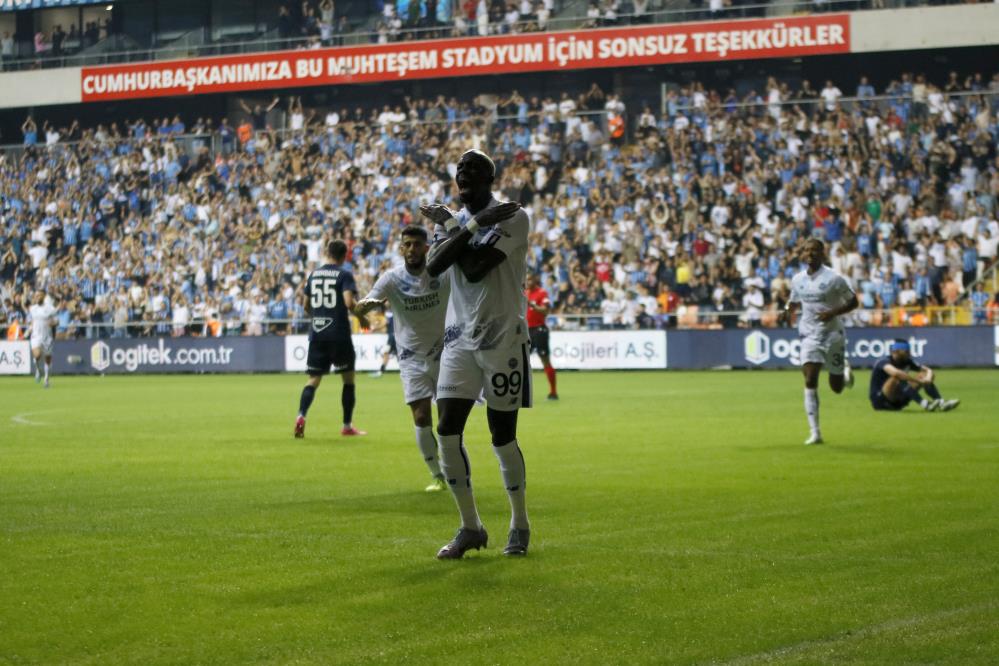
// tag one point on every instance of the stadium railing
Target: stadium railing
(686, 317)
(268, 43)
(989, 280)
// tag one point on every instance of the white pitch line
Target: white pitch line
(807, 647)
(22, 419)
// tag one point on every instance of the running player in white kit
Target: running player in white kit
(823, 297)
(419, 303)
(484, 248)
(42, 316)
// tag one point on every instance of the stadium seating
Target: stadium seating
(180, 224)
(128, 32)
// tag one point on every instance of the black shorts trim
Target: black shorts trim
(539, 340)
(326, 354)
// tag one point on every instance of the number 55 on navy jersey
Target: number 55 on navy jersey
(324, 290)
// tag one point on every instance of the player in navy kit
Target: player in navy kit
(897, 380)
(330, 296)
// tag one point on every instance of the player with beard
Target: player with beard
(419, 303)
(484, 249)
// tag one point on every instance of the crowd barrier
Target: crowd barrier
(968, 346)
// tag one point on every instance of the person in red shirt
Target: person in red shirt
(537, 308)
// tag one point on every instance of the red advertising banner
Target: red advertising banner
(582, 49)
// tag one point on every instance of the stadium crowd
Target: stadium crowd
(305, 24)
(639, 218)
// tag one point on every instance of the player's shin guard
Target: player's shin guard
(347, 400)
(428, 448)
(308, 394)
(511, 462)
(458, 474)
(812, 409)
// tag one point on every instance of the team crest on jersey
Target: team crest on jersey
(435, 284)
(321, 323)
(452, 333)
(512, 363)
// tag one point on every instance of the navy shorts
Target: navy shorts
(881, 403)
(326, 353)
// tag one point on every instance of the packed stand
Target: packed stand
(640, 219)
(307, 24)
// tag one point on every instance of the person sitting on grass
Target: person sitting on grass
(897, 380)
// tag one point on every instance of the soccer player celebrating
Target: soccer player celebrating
(42, 316)
(897, 380)
(823, 296)
(329, 297)
(484, 247)
(537, 308)
(420, 303)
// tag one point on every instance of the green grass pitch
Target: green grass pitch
(677, 518)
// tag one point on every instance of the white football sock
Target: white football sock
(47, 366)
(428, 448)
(511, 462)
(812, 408)
(458, 474)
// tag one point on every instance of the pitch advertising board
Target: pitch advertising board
(781, 348)
(582, 350)
(368, 348)
(606, 350)
(15, 357)
(168, 355)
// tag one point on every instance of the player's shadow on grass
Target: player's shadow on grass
(409, 503)
(853, 448)
(861, 449)
(420, 570)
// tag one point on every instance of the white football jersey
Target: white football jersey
(41, 321)
(419, 304)
(490, 314)
(825, 290)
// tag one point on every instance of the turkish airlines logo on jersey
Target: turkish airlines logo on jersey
(536, 52)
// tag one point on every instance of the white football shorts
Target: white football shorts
(43, 343)
(828, 349)
(419, 377)
(504, 375)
